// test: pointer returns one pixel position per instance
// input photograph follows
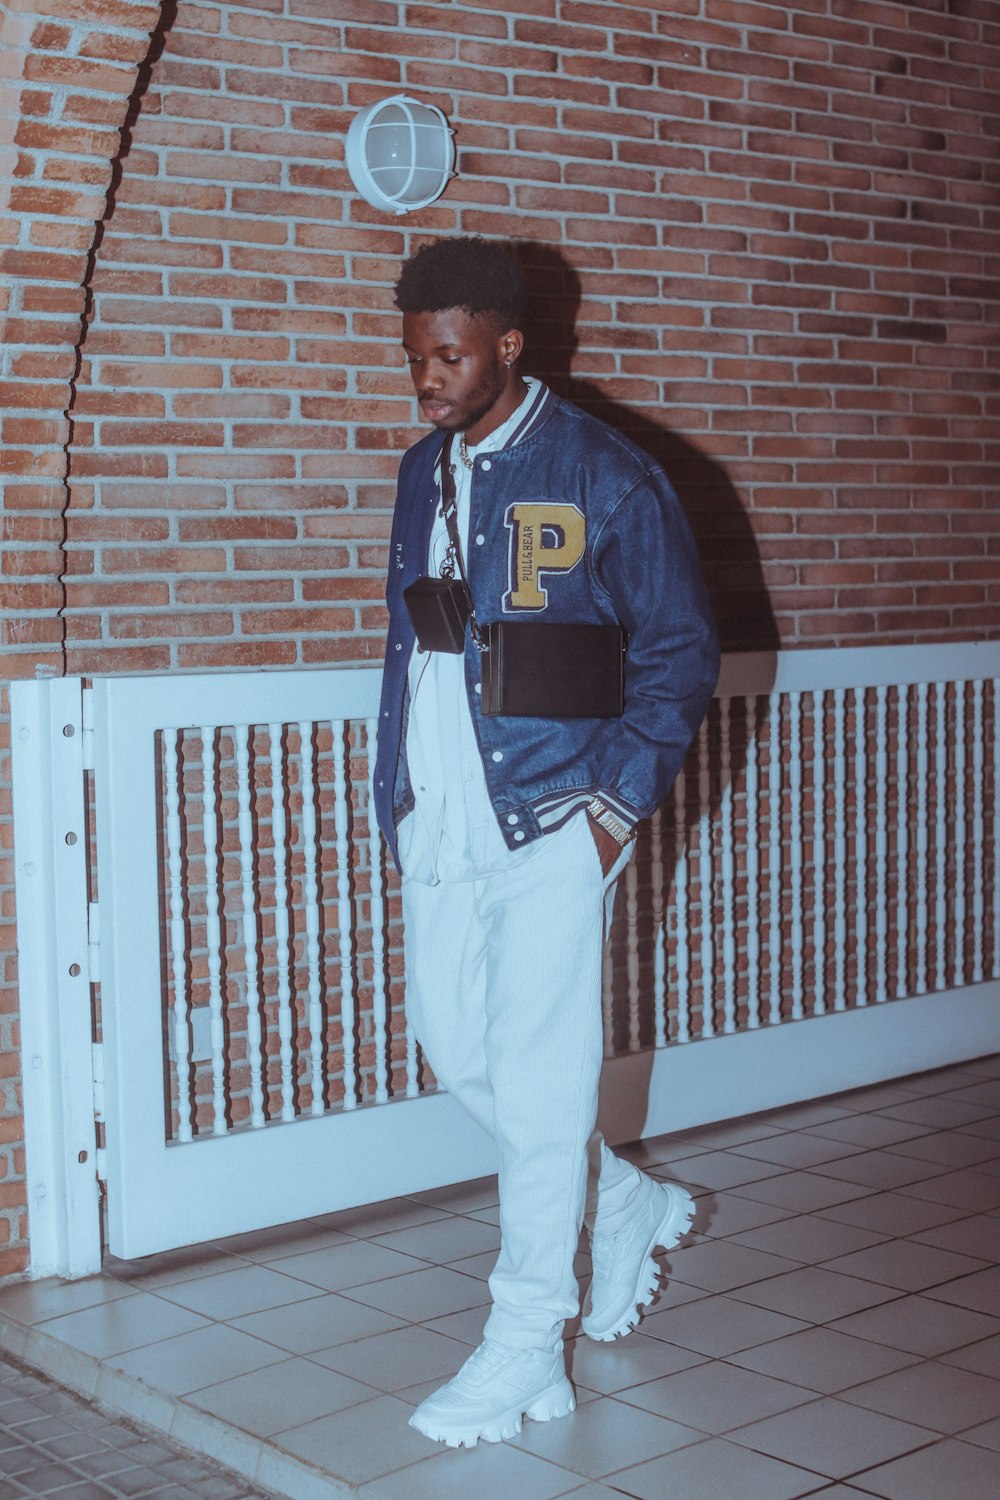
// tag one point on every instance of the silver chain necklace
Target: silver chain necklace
(463, 453)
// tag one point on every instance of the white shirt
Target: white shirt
(452, 833)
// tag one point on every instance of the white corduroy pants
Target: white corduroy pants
(503, 989)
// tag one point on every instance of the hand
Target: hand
(608, 847)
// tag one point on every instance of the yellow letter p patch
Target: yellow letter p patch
(545, 537)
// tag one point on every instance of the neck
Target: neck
(505, 406)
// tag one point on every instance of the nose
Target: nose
(429, 380)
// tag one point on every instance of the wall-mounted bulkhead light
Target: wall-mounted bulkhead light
(400, 154)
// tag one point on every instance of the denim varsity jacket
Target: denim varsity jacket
(569, 522)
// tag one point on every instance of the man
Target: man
(510, 832)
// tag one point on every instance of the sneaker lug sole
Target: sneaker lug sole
(672, 1227)
(557, 1401)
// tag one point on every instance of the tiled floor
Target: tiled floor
(831, 1328)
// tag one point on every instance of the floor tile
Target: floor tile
(904, 1264)
(215, 1352)
(126, 1323)
(480, 1266)
(233, 1294)
(919, 1325)
(833, 1438)
(977, 1235)
(719, 1326)
(719, 1265)
(987, 1094)
(281, 1397)
(983, 1357)
(806, 1116)
(34, 1301)
(353, 1263)
(720, 1170)
(891, 1213)
(976, 1192)
(466, 1326)
(318, 1323)
(443, 1240)
(808, 1238)
(423, 1294)
(735, 1132)
(879, 1170)
(361, 1443)
(391, 1361)
(717, 1396)
(823, 1360)
(944, 1114)
(986, 1434)
(716, 1470)
(460, 1197)
(613, 1368)
(264, 1245)
(803, 1192)
(941, 1397)
(814, 1295)
(949, 1147)
(797, 1150)
(878, 1096)
(184, 1264)
(723, 1214)
(950, 1470)
(980, 1291)
(489, 1469)
(603, 1435)
(869, 1130)
(381, 1218)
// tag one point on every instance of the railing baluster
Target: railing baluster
(682, 952)
(819, 853)
(213, 930)
(839, 853)
(341, 753)
(752, 868)
(376, 903)
(632, 953)
(728, 870)
(774, 813)
(881, 847)
(922, 840)
(281, 946)
(996, 827)
(705, 887)
(958, 884)
(178, 945)
(940, 834)
(978, 894)
(861, 912)
(902, 837)
(243, 739)
(659, 933)
(795, 852)
(310, 899)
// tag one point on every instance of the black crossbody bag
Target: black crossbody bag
(530, 668)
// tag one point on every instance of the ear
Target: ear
(510, 346)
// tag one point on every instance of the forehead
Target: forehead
(448, 326)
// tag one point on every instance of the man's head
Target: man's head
(462, 302)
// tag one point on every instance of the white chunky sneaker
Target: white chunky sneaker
(492, 1391)
(626, 1276)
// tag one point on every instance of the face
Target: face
(462, 371)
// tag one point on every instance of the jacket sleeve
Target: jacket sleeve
(645, 560)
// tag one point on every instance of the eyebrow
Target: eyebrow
(437, 349)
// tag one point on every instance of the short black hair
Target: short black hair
(469, 272)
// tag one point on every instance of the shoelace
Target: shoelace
(484, 1363)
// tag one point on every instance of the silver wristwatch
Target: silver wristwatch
(610, 822)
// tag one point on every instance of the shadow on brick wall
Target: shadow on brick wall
(714, 508)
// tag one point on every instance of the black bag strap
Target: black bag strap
(449, 509)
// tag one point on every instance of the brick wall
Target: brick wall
(761, 237)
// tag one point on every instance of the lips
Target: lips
(435, 410)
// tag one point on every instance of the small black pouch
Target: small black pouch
(439, 612)
(550, 671)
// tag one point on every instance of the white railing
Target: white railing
(831, 844)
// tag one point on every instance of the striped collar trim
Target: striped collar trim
(530, 415)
